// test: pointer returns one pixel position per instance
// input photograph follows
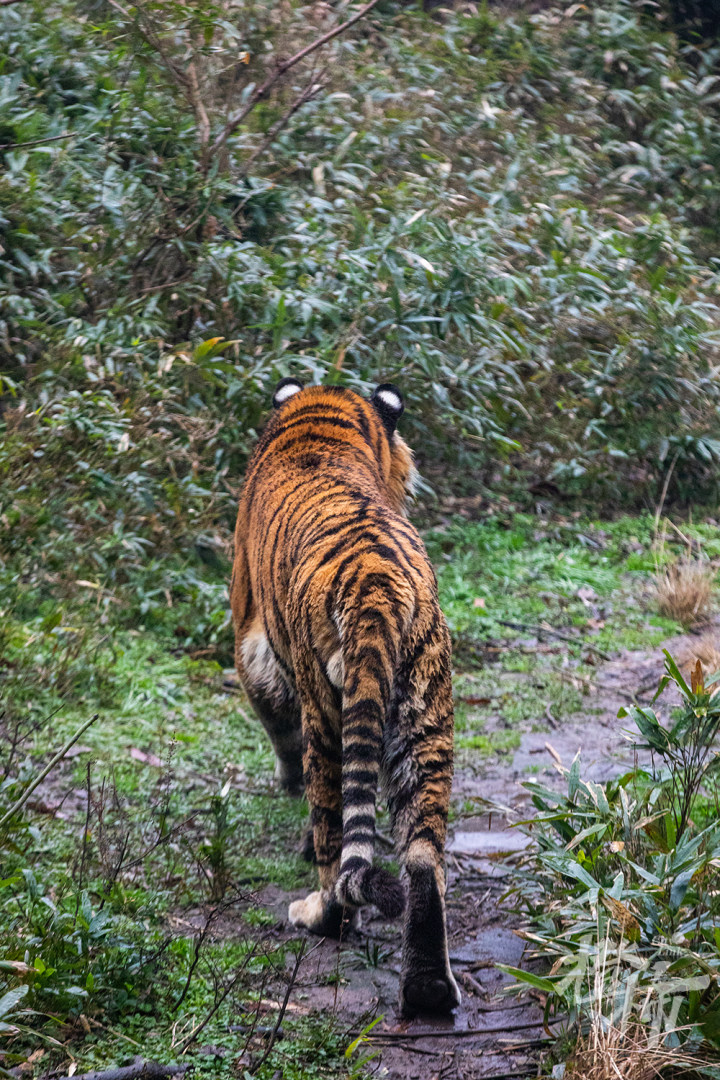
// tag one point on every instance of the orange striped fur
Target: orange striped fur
(345, 655)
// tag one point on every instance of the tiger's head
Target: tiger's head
(386, 405)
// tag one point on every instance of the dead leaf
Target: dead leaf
(27, 1066)
(147, 759)
(628, 923)
(476, 700)
(697, 682)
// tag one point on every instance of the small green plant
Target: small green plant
(358, 1067)
(687, 747)
(621, 887)
(373, 955)
(215, 848)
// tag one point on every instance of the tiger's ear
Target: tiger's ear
(388, 401)
(285, 389)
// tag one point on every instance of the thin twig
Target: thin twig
(664, 492)
(400, 1036)
(228, 989)
(264, 88)
(124, 867)
(219, 909)
(86, 834)
(44, 772)
(283, 1008)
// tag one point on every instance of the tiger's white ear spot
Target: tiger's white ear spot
(285, 392)
(388, 401)
(285, 389)
(391, 399)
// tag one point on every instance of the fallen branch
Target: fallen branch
(139, 1069)
(235, 121)
(472, 984)
(528, 1070)
(44, 772)
(553, 633)
(402, 1036)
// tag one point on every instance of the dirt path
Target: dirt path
(491, 1035)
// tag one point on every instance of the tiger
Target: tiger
(344, 654)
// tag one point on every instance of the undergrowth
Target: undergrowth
(620, 895)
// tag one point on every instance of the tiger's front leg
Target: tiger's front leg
(276, 703)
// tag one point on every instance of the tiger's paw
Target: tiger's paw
(428, 992)
(321, 914)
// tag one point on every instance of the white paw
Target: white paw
(307, 913)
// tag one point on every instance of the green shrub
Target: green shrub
(621, 886)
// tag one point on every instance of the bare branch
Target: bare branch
(34, 142)
(262, 90)
(152, 39)
(201, 116)
(283, 1008)
(228, 989)
(311, 90)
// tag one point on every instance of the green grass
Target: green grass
(586, 579)
(583, 578)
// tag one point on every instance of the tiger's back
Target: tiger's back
(343, 650)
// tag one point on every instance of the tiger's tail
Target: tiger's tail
(370, 662)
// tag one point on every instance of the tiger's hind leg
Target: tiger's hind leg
(418, 765)
(321, 912)
(276, 703)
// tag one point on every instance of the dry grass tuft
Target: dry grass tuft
(618, 1046)
(631, 1052)
(705, 648)
(684, 591)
